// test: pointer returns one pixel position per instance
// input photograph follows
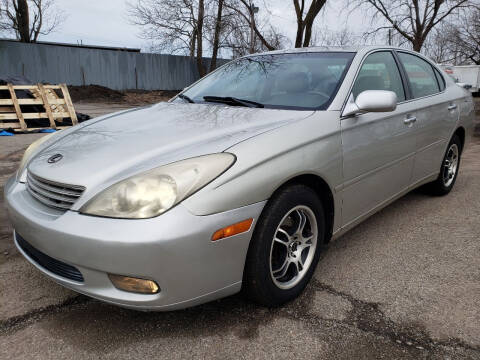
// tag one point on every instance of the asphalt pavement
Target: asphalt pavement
(405, 284)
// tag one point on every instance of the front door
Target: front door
(378, 148)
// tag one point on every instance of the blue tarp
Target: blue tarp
(5, 133)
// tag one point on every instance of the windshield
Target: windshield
(304, 81)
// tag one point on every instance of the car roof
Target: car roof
(355, 49)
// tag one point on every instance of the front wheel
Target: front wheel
(285, 247)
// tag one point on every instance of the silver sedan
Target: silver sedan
(237, 182)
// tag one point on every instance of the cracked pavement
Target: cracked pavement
(405, 284)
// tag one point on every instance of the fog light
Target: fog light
(135, 285)
(233, 229)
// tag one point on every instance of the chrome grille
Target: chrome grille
(53, 194)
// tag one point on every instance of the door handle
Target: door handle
(452, 107)
(410, 120)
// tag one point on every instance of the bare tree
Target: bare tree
(245, 10)
(23, 20)
(175, 26)
(246, 31)
(305, 20)
(464, 38)
(238, 41)
(216, 35)
(439, 46)
(326, 37)
(170, 24)
(458, 41)
(28, 19)
(199, 33)
(414, 20)
(196, 27)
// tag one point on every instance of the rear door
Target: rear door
(435, 112)
(378, 148)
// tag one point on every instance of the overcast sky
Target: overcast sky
(104, 22)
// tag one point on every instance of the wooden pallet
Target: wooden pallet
(11, 115)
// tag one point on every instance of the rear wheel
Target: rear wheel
(285, 247)
(449, 170)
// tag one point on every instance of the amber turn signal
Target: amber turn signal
(135, 285)
(233, 229)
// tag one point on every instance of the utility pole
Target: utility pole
(391, 33)
(253, 10)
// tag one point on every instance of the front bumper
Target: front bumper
(173, 249)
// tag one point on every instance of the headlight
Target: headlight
(155, 191)
(21, 173)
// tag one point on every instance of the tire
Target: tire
(449, 169)
(268, 279)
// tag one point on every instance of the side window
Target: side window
(420, 74)
(440, 79)
(379, 71)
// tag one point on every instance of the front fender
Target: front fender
(265, 162)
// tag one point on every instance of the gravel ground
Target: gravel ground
(405, 284)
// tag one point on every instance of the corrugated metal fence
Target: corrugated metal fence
(115, 69)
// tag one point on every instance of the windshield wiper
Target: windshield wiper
(233, 101)
(185, 97)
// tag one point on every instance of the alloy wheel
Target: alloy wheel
(293, 247)
(450, 165)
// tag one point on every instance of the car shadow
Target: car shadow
(89, 323)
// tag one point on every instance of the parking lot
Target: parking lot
(404, 284)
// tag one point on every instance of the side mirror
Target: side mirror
(465, 86)
(371, 101)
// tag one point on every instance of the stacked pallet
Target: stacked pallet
(13, 113)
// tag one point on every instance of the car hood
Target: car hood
(113, 147)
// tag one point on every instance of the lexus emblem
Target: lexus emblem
(55, 158)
